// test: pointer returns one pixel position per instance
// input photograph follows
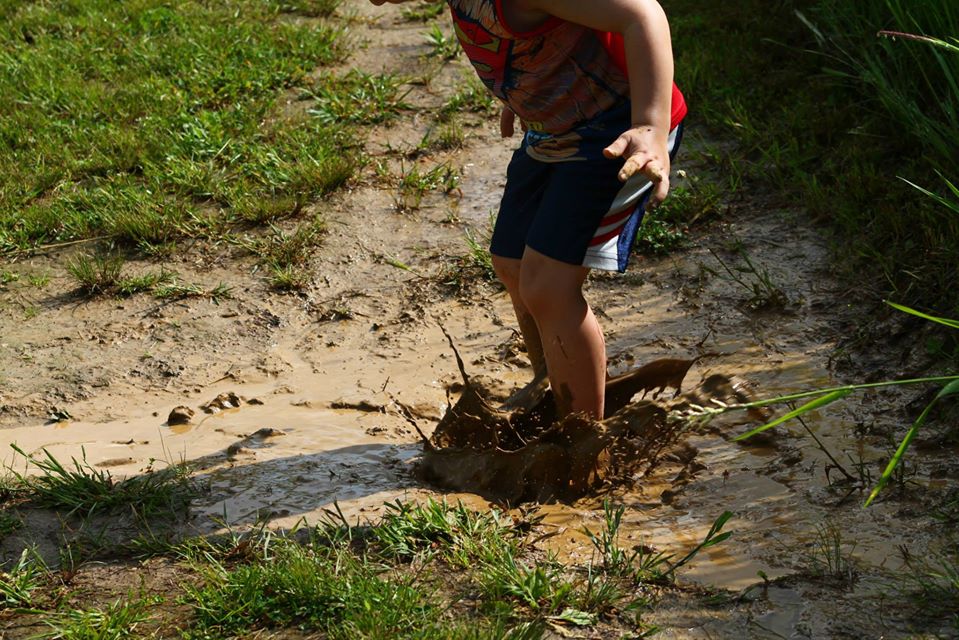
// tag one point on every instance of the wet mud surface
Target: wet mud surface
(289, 404)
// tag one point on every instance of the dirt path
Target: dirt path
(323, 371)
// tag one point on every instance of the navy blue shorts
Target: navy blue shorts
(564, 199)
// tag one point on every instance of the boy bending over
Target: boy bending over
(592, 84)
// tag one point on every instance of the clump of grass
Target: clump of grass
(117, 621)
(96, 274)
(24, 578)
(358, 98)
(442, 46)
(829, 557)
(472, 96)
(447, 136)
(80, 487)
(665, 229)
(286, 255)
(423, 11)
(311, 8)
(174, 289)
(147, 282)
(414, 184)
(461, 534)
(765, 294)
(475, 266)
(643, 564)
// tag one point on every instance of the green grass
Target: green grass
(358, 97)
(286, 255)
(423, 571)
(96, 274)
(664, 229)
(22, 580)
(147, 121)
(442, 46)
(830, 115)
(117, 621)
(79, 487)
(470, 97)
(415, 182)
(423, 11)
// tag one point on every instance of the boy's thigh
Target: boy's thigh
(553, 207)
(575, 211)
(574, 207)
(526, 182)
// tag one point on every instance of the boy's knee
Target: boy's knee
(538, 292)
(507, 270)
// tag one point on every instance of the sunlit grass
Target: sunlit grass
(124, 118)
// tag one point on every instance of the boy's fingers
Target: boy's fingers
(660, 191)
(654, 171)
(616, 149)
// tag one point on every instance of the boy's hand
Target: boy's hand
(507, 121)
(645, 152)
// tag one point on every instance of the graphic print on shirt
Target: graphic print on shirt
(555, 77)
(488, 53)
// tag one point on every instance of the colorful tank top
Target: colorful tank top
(555, 82)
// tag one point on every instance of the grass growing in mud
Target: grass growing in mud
(430, 570)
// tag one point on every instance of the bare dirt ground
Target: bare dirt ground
(322, 373)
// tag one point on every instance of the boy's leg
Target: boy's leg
(572, 340)
(508, 271)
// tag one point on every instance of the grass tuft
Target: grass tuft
(80, 487)
(117, 621)
(96, 274)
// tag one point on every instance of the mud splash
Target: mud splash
(529, 455)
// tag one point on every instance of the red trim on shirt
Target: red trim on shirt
(549, 25)
(616, 47)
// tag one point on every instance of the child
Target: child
(592, 83)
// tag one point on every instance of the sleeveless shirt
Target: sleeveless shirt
(555, 77)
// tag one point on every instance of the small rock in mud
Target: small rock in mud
(255, 401)
(228, 400)
(180, 415)
(267, 432)
(237, 448)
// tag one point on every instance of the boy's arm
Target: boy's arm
(649, 56)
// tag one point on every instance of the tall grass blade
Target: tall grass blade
(949, 390)
(821, 401)
(952, 205)
(949, 322)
